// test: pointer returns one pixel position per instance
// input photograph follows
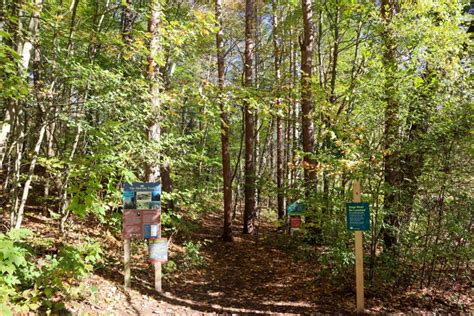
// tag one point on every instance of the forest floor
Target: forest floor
(254, 274)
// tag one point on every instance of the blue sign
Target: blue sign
(151, 231)
(142, 186)
(358, 216)
(142, 195)
(128, 200)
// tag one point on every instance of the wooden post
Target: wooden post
(157, 266)
(126, 261)
(157, 276)
(359, 254)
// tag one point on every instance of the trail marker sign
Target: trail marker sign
(141, 220)
(358, 220)
(358, 216)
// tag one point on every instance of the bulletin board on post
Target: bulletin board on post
(142, 220)
(141, 210)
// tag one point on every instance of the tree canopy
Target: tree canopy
(240, 109)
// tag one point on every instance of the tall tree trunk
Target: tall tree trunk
(294, 104)
(166, 182)
(226, 171)
(165, 170)
(18, 214)
(20, 202)
(28, 44)
(391, 134)
(70, 42)
(6, 123)
(279, 112)
(332, 99)
(64, 198)
(306, 44)
(13, 109)
(64, 208)
(51, 128)
(249, 191)
(17, 210)
(152, 170)
(319, 52)
(258, 121)
(127, 22)
(5, 130)
(290, 108)
(335, 56)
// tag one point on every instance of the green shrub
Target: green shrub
(16, 270)
(169, 267)
(62, 270)
(192, 255)
(337, 264)
(29, 283)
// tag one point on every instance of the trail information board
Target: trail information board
(141, 220)
(358, 216)
(141, 215)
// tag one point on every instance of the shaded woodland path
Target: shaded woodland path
(262, 273)
(250, 275)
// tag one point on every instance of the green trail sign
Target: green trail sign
(358, 216)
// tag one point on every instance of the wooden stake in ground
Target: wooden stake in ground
(359, 255)
(157, 266)
(126, 261)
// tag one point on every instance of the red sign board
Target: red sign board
(295, 222)
(136, 221)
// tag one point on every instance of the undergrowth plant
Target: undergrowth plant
(29, 282)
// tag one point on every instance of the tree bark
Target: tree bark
(295, 110)
(249, 186)
(127, 22)
(25, 50)
(166, 72)
(279, 112)
(391, 134)
(74, 5)
(6, 128)
(64, 208)
(51, 128)
(326, 119)
(152, 170)
(18, 215)
(335, 56)
(14, 109)
(226, 168)
(258, 122)
(306, 44)
(6, 123)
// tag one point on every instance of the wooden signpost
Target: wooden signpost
(126, 261)
(141, 220)
(358, 220)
